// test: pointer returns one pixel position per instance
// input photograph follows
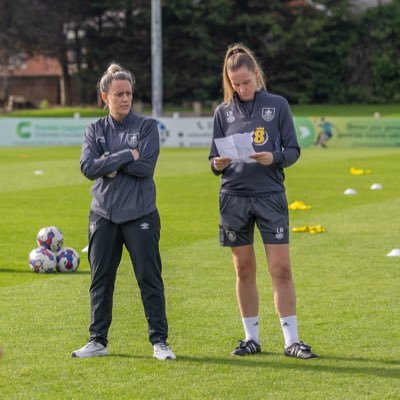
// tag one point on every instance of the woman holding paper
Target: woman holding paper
(252, 192)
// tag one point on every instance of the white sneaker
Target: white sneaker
(91, 349)
(163, 352)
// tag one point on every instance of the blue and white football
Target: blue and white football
(42, 260)
(67, 260)
(51, 238)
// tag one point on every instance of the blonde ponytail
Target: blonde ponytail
(237, 56)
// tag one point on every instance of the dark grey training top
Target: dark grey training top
(271, 124)
(131, 193)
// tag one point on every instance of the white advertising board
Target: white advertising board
(186, 132)
(42, 131)
(174, 132)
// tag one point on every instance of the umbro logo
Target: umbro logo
(144, 226)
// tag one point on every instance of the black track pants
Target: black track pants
(106, 240)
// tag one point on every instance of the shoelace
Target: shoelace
(163, 346)
(300, 347)
(91, 342)
(247, 344)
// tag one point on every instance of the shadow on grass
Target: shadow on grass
(316, 364)
(364, 360)
(15, 271)
(28, 271)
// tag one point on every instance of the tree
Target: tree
(84, 37)
(118, 31)
(38, 26)
(374, 63)
(309, 50)
(7, 47)
(193, 47)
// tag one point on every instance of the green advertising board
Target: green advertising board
(305, 129)
(350, 131)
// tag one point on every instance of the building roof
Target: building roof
(34, 66)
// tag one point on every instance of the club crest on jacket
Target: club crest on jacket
(133, 139)
(268, 113)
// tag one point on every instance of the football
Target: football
(67, 260)
(42, 260)
(51, 238)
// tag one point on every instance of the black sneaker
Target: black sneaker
(300, 350)
(246, 347)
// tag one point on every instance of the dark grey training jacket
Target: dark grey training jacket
(131, 193)
(271, 124)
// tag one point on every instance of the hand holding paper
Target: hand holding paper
(220, 163)
(235, 147)
(263, 157)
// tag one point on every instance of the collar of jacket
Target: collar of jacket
(121, 124)
(258, 94)
(239, 103)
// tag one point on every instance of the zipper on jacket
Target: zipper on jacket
(244, 109)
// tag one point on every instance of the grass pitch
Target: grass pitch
(347, 289)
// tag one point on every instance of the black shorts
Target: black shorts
(239, 214)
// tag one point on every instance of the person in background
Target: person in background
(253, 193)
(119, 153)
(325, 132)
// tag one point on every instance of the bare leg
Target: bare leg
(244, 261)
(282, 282)
(285, 299)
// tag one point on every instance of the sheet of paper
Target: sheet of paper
(236, 147)
(226, 147)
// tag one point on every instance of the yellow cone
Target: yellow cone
(299, 205)
(359, 171)
(310, 229)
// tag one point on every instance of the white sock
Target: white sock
(289, 328)
(250, 325)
